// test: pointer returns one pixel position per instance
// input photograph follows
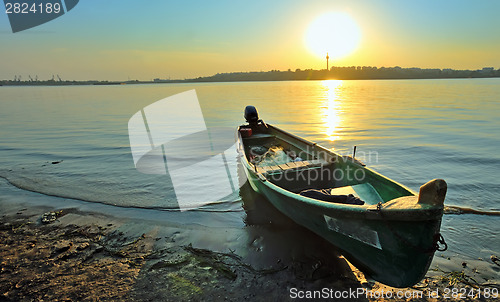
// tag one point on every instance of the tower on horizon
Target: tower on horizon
(327, 57)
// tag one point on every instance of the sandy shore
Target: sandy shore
(84, 256)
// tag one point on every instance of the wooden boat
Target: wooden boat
(391, 235)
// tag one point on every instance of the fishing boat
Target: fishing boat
(383, 228)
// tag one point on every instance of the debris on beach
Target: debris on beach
(495, 260)
(50, 217)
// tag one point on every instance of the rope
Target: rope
(437, 240)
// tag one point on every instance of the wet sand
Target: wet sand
(85, 256)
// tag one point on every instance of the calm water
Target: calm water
(409, 130)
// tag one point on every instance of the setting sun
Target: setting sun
(335, 33)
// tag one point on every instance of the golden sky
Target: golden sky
(118, 39)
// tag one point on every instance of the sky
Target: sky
(132, 39)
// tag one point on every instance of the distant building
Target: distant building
(487, 70)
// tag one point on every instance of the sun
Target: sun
(335, 33)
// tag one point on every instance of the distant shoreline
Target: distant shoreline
(335, 73)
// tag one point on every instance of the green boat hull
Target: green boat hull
(393, 240)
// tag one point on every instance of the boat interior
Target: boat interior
(299, 166)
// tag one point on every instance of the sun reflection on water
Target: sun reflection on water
(332, 109)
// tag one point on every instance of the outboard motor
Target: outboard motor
(255, 125)
(251, 115)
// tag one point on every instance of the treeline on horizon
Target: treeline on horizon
(349, 73)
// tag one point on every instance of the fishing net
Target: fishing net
(273, 156)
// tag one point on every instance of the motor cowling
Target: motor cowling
(251, 115)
